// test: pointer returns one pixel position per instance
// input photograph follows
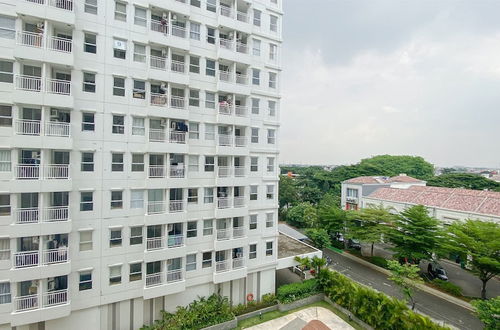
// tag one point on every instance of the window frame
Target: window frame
(116, 203)
(84, 203)
(133, 238)
(88, 244)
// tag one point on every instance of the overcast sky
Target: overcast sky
(371, 77)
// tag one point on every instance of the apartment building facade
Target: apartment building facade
(138, 157)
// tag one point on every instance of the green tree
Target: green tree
(415, 234)
(288, 192)
(394, 165)
(488, 312)
(463, 180)
(478, 241)
(302, 215)
(406, 277)
(369, 224)
(319, 236)
(333, 219)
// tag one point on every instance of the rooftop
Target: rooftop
(383, 179)
(289, 247)
(292, 232)
(457, 199)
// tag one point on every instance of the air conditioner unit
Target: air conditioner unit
(119, 44)
(163, 86)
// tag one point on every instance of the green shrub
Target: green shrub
(379, 261)
(337, 244)
(267, 300)
(294, 291)
(199, 314)
(448, 287)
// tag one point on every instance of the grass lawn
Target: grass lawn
(275, 314)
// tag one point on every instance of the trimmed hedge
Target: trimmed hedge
(372, 307)
(294, 291)
(267, 300)
(379, 261)
(448, 287)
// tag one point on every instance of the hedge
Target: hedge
(267, 300)
(448, 287)
(294, 291)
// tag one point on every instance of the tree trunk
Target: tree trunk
(372, 248)
(483, 289)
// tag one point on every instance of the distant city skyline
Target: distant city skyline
(391, 77)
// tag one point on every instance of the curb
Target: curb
(421, 287)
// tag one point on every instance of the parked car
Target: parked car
(338, 237)
(354, 244)
(435, 270)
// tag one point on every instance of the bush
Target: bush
(337, 244)
(267, 300)
(379, 261)
(199, 314)
(294, 291)
(448, 287)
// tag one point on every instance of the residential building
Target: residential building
(138, 157)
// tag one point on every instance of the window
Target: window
(115, 274)
(85, 282)
(196, 3)
(115, 237)
(139, 91)
(211, 35)
(138, 126)
(194, 131)
(269, 248)
(209, 163)
(271, 136)
(88, 121)
(208, 227)
(117, 199)
(137, 162)
(271, 108)
(89, 82)
(270, 192)
(253, 221)
(118, 86)
(194, 30)
(194, 97)
(4, 204)
(273, 23)
(269, 220)
(253, 193)
(7, 27)
(210, 100)
(255, 106)
(140, 17)
(87, 162)
(86, 240)
(270, 164)
(190, 262)
(91, 7)
(352, 192)
(207, 260)
(194, 64)
(118, 124)
(5, 297)
(120, 11)
(5, 161)
(272, 80)
(256, 17)
(6, 71)
(255, 135)
(86, 201)
(254, 164)
(192, 229)
(136, 235)
(208, 196)
(256, 76)
(117, 162)
(209, 132)
(6, 115)
(90, 43)
(212, 5)
(193, 195)
(4, 248)
(135, 272)
(273, 50)
(252, 254)
(120, 48)
(193, 163)
(140, 54)
(210, 69)
(137, 198)
(256, 47)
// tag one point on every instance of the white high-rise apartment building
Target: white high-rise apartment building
(138, 157)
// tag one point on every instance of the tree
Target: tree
(463, 180)
(369, 224)
(406, 277)
(288, 193)
(319, 236)
(477, 241)
(415, 234)
(333, 219)
(302, 215)
(488, 312)
(394, 165)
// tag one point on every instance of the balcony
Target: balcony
(158, 63)
(241, 110)
(177, 102)
(222, 266)
(225, 108)
(224, 202)
(240, 141)
(225, 140)
(48, 214)
(226, 43)
(239, 171)
(242, 48)
(239, 201)
(59, 4)
(242, 17)
(158, 207)
(224, 171)
(51, 49)
(57, 89)
(170, 276)
(227, 234)
(32, 258)
(159, 242)
(177, 137)
(177, 171)
(157, 135)
(157, 171)
(238, 232)
(47, 299)
(32, 171)
(50, 128)
(176, 206)
(241, 79)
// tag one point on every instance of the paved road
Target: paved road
(437, 308)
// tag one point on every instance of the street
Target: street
(435, 307)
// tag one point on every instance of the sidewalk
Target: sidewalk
(421, 287)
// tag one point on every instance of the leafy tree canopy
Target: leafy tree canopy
(302, 215)
(488, 312)
(319, 236)
(463, 180)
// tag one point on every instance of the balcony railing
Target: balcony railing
(155, 243)
(177, 171)
(28, 171)
(33, 127)
(241, 48)
(222, 266)
(239, 171)
(57, 86)
(49, 299)
(174, 241)
(54, 256)
(160, 100)
(238, 263)
(157, 171)
(56, 171)
(27, 215)
(49, 85)
(26, 303)
(54, 298)
(156, 207)
(179, 31)
(226, 43)
(238, 232)
(223, 202)
(49, 214)
(242, 17)
(224, 171)
(223, 234)
(225, 140)
(154, 279)
(176, 206)
(159, 26)
(225, 76)
(28, 127)
(26, 259)
(30, 39)
(55, 214)
(156, 135)
(178, 66)
(240, 141)
(241, 110)
(29, 83)
(157, 62)
(62, 4)
(241, 79)
(226, 11)
(178, 102)
(60, 44)
(224, 108)
(178, 137)
(54, 128)
(174, 275)
(239, 201)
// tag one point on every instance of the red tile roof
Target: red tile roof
(464, 200)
